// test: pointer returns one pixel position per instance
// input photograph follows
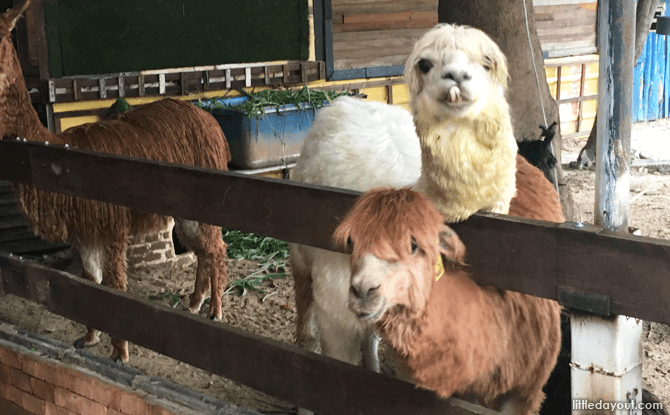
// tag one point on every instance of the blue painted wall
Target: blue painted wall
(651, 94)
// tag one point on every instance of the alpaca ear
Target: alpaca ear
(13, 14)
(451, 245)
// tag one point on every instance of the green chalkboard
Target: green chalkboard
(87, 37)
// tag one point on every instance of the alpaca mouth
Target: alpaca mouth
(374, 316)
(454, 97)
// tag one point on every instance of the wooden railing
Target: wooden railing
(583, 267)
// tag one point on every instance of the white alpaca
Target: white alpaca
(347, 138)
(457, 78)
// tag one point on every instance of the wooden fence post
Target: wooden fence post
(606, 362)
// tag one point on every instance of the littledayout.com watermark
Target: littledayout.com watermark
(585, 405)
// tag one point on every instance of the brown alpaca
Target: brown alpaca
(451, 335)
(167, 130)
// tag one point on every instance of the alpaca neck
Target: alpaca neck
(469, 163)
(20, 118)
(458, 325)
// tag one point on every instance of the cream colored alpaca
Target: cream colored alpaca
(457, 78)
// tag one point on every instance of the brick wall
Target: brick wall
(42, 376)
(152, 249)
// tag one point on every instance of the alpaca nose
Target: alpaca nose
(363, 293)
(456, 75)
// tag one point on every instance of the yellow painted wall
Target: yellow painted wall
(570, 83)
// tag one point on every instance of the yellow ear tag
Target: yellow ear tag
(439, 268)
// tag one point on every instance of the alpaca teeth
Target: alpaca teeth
(454, 94)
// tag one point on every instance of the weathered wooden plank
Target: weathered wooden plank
(370, 45)
(338, 3)
(388, 17)
(533, 257)
(374, 52)
(564, 10)
(377, 35)
(187, 192)
(574, 22)
(392, 60)
(278, 369)
(386, 7)
(570, 30)
(385, 25)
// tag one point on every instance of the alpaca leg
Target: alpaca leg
(91, 258)
(188, 232)
(114, 276)
(338, 341)
(215, 253)
(205, 240)
(307, 334)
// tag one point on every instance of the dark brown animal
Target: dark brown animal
(167, 130)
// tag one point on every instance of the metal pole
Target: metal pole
(606, 365)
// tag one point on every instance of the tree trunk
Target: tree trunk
(504, 21)
(645, 14)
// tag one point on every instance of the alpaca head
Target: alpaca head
(452, 70)
(538, 152)
(396, 238)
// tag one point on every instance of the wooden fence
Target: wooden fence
(583, 267)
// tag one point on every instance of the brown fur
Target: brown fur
(453, 336)
(536, 197)
(167, 130)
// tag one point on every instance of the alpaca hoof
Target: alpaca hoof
(214, 317)
(119, 360)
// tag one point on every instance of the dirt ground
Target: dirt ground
(272, 313)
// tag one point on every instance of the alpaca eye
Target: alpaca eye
(487, 64)
(425, 65)
(350, 243)
(415, 246)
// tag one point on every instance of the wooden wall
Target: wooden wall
(372, 33)
(566, 29)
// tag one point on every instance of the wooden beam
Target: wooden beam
(284, 371)
(605, 358)
(630, 273)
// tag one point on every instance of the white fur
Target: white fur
(361, 145)
(357, 145)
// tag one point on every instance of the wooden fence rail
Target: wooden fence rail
(583, 267)
(278, 369)
(586, 268)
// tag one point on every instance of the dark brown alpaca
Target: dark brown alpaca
(167, 130)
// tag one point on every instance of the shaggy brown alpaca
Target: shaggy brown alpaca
(451, 335)
(167, 130)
